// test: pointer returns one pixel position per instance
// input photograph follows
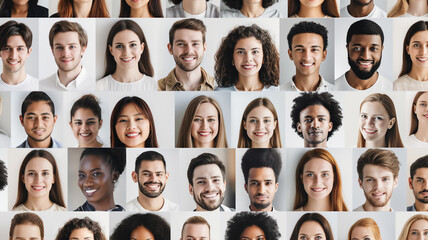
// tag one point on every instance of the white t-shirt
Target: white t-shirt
(412, 141)
(108, 83)
(406, 83)
(375, 13)
(81, 83)
(324, 86)
(135, 206)
(381, 84)
(29, 84)
(54, 207)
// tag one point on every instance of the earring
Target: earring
(114, 180)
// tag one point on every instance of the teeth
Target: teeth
(132, 134)
(248, 66)
(85, 134)
(307, 64)
(127, 59)
(370, 131)
(317, 189)
(422, 59)
(210, 195)
(152, 186)
(365, 63)
(90, 191)
(378, 194)
(259, 134)
(38, 188)
(188, 58)
(204, 133)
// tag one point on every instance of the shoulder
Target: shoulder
(170, 206)
(55, 15)
(385, 82)
(103, 83)
(175, 11)
(378, 12)
(359, 209)
(212, 11)
(231, 13)
(38, 11)
(271, 12)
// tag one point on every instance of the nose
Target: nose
(370, 122)
(88, 182)
(38, 178)
(261, 188)
(315, 123)
(365, 53)
(84, 126)
(14, 53)
(306, 54)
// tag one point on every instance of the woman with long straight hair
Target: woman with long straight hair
(141, 9)
(86, 9)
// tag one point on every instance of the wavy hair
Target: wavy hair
(336, 195)
(237, 4)
(328, 7)
(155, 9)
(185, 139)
(407, 61)
(315, 217)
(98, 9)
(366, 223)
(240, 221)
(79, 223)
(414, 122)
(226, 74)
(243, 140)
(392, 136)
(406, 228)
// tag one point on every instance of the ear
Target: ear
(21, 119)
(134, 176)
(169, 46)
(246, 187)
(166, 176)
(82, 51)
(110, 49)
(414, 109)
(395, 182)
(410, 183)
(290, 55)
(324, 55)
(245, 125)
(142, 47)
(205, 46)
(190, 189)
(360, 183)
(115, 176)
(391, 123)
(274, 124)
(299, 127)
(29, 51)
(276, 187)
(71, 125)
(407, 49)
(54, 118)
(101, 124)
(330, 126)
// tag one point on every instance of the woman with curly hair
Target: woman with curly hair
(312, 9)
(409, 8)
(244, 9)
(192, 9)
(247, 60)
(16, 9)
(81, 228)
(141, 9)
(252, 225)
(312, 226)
(82, 9)
(142, 226)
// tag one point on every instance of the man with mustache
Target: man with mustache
(151, 175)
(187, 45)
(261, 168)
(377, 176)
(362, 8)
(207, 183)
(418, 182)
(364, 44)
(315, 117)
(38, 119)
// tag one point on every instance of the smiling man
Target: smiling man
(15, 48)
(261, 168)
(207, 183)
(377, 176)
(362, 8)
(38, 119)
(151, 175)
(364, 44)
(418, 183)
(315, 117)
(307, 48)
(187, 45)
(68, 41)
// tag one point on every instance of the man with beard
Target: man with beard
(377, 176)
(151, 175)
(362, 8)
(261, 168)
(38, 119)
(187, 45)
(364, 44)
(207, 183)
(68, 41)
(315, 117)
(418, 182)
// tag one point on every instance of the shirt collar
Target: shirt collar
(172, 82)
(74, 83)
(321, 87)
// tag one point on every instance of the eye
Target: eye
(325, 175)
(72, 47)
(119, 46)
(45, 117)
(379, 118)
(363, 116)
(30, 174)
(20, 49)
(414, 232)
(240, 52)
(268, 183)
(145, 174)
(307, 120)
(318, 237)
(30, 117)
(315, 50)
(77, 123)
(416, 45)
(96, 174)
(180, 44)
(356, 49)
(252, 120)
(267, 120)
(369, 180)
(298, 49)
(211, 120)
(367, 238)
(385, 179)
(255, 51)
(303, 237)
(195, 44)
(309, 175)
(122, 120)
(81, 175)
(59, 47)
(197, 120)
(420, 180)
(139, 119)
(45, 174)
(374, 49)
(159, 174)
(91, 122)
(133, 45)
(200, 182)
(322, 119)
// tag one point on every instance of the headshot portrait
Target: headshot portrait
(252, 225)
(412, 226)
(243, 9)
(5, 122)
(407, 9)
(417, 170)
(139, 226)
(30, 9)
(192, 9)
(418, 136)
(360, 225)
(312, 226)
(77, 9)
(138, 9)
(363, 8)
(309, 9)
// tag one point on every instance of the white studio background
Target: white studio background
(384, 220)
(106, 106)
(117, 217)
(77, 198)
(32, 63)
(283, 192)
(240, 100)
(401, 218)
(390, 4)
(53, 6)
(116, 8)
(280, 5)
(5, 113)
(341, 55)
(351, 115)
(226, 155)
(380, 3)
(398, 199)
(4, 193)
(18, 133)
(293, 156)
(17, 155)
(150, 27)
(412, 155)
(48, 66)
(293, 217)
(292, 139)
(171, 191)
(288, 69)
(168, 3)
(213, 219)
(182, 100)
(216, 30)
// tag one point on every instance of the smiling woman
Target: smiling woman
(363, 229)
(140, 8)
(22, 8)
(82, 8)
(415, 228)
(418, 136)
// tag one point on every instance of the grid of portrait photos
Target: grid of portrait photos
(216, 119)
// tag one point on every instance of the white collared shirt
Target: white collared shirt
(324, 86)
(81, 83)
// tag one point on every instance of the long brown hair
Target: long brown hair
(392, 136)
(336, 196)
(407, 61)
(414, 122)
(98, 9)
(328, 7)
(55, 194)
(155, 8)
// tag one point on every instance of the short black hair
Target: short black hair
(237, 4)
(308, 27)
(37, 96)
(238, 223)
(115, 157)
(364, 27)
(421, 162)
(13, 28)
(325, 99)
(154, 223)
(149, 156)
(259, 158)
(3, 175)
(204, 159)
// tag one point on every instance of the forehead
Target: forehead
(420, 224)
(15, 40)
(207, 171)
(90, 162)
(373, 170)
(38, 163)
(39, 106)
(422, 172)
(360, 232)
(423, 97)
(263, 173)
(206, 108)
(66, 37)
(125, 36)
(196, 229)
(373, 107)
(130, 109)
(311, 228)
(365, 40)
(421, 36)
(184, 34)
(27, 231)
(153, 166)
(314, 110)
(260, 111)
(307, 39)
(250, 42)
(317, 164)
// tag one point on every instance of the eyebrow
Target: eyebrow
(203, 178)
(43, 170)
(262, 117)
(60, 44)
(147, 171)
(312, 46)
(376, 114)
(95, 169)
(359, 44)
(325, 171)
(43, 114)
(208, 116)
(137, 114)
(246, 49)
(310, 116)
(78, 119)
(180, 40)
(128, 42)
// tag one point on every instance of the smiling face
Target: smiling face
(205, 125)
(252, 233)
(151, 178)
(260, 126)
(38, 121)
(67, 51)
(418, 50)
(419, 185)
(362, 233)
(261, 188)
(311, 230)
(85, 126)
(307, 53)
(126, 49)
(132, 127)
(421, 110)
(38, 178)
(14, 54)
(248, 56)
(315, 125)
(418, 230)
(208, 187)
(378, 183)
(374, 123)
(364, 55)
(188, 49)
(26, 232)
(318, 178)
(81, 234)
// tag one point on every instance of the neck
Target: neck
(376, 144)
(127, 75)
(356, 10)
(82, 10)
(260, 145)
(151, 204)
(194, 7)
(307, 82)
(66, 77)
(40, 144)
(204, 145)
(141, 12)
(252, 10)
(368, 207)
(38, 203)
(13, 78)
(420, 74)
(421, 206)
(421, 134)
(322, 144)
(318, 204)
(311, 12)
(266, 209)
(93, 144)
(191, 80)
(360, 84)
(417, 8)
(104, 204)
(19, 10)
(250, 83)
(198, 208)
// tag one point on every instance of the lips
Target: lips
(378, 195)
(66, 60)
(307, 64)
(38, 188)
(261, 197)
(152, 186)
(204, 133)
(259, 134)
(90, 191)
(370, 131)
(132, 134)
(365, 63)
(314, 132)
(85, 134)
(248, 67)
(422, 59)
(188, 58)
(127, 59)
(210, 195)
(13, 62)
(317, 189)
(39, 132)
